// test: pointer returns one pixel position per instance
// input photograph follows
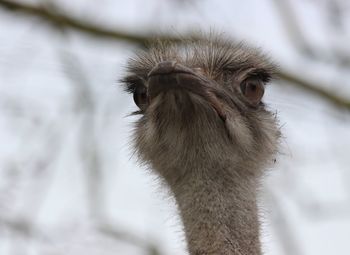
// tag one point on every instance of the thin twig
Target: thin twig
(29, 230)
(290, 22)
(109, 230)
(281, 225)
(59, 19)
(22, 228)
(298, 37)
(339, 101)
(89, 149)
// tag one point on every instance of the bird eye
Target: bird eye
(141, 97)
(253, 90)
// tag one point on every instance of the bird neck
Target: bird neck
(219, 211)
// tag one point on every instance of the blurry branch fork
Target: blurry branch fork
(90, 154)
(27, 229)
(52, 15)
(339, 101)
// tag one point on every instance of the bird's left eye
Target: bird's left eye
(141, 97)
(253, 90)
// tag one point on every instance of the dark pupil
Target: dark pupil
(140, 96)
(243, 88)
(248, 88)
(252, 87)
(143, 96)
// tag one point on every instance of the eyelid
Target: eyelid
(134, 82)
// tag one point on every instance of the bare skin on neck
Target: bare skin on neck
(205, 130)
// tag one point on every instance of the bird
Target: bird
(206, 131)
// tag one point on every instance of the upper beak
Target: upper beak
(169, 75)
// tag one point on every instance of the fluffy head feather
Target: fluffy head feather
(181, 129)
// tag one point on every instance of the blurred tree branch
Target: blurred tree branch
(294, 29)
(86, 107)
(295, 32)
(53, 15)
(22, 228)
(282, 227)
(27, 229)
(64, 21)
(309, 86)
(112, 232)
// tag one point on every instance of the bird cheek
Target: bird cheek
(239, 132)
(149, 131)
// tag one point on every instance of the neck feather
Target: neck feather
(219, 211)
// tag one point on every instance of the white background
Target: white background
(66, 164)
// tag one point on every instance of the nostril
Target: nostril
(165, 67)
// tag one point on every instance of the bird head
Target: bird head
(202, 100)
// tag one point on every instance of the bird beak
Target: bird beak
(170, 75)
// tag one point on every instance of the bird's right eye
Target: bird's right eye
(253, 90)
(141, 97)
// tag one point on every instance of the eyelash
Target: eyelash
(131, 86)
